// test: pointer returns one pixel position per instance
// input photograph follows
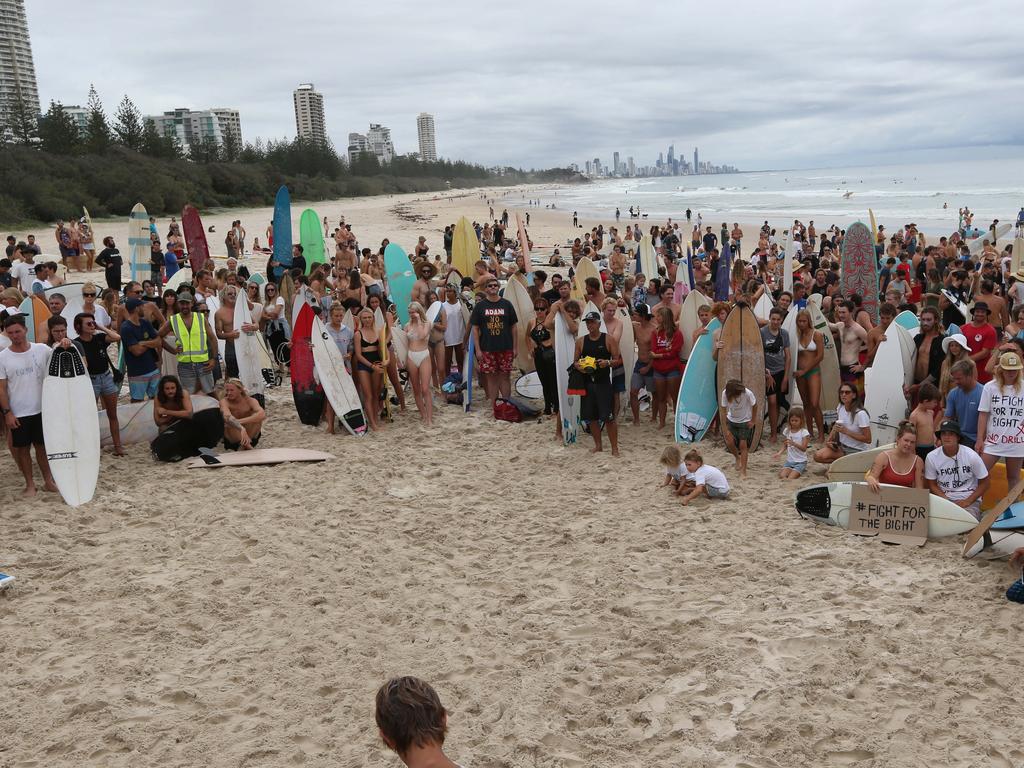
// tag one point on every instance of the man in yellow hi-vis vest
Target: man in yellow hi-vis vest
(193, 342)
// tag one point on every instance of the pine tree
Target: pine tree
(20, 125)
(205, 150)
(128, 126)
(58, 131)
(97, 131)
(232, 147)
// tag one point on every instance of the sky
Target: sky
(544, 84)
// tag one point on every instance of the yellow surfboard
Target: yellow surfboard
(874, 227)
(465, 247)
(586, 268)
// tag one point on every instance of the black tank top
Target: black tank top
(598, 349)
(540, 334)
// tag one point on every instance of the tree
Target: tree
(128, 126)
(20, 124)
(58, 131)
(155, 145)
(205, 150)
(365, 164)
(232, 147)
(97, 130)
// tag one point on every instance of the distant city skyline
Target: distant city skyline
(670, 166)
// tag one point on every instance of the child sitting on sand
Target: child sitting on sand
(797, 438)
(412, 722)
(738, 411)
(702, 478)
(675, 471)
(924, 418)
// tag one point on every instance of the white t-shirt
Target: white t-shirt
(795, 454)
(712, 477)
(676, 473)
(24, 373)
(957, 476)
(455, 330)
(102, 317)
(859, 421)
(25, 274)
(1005, 409)
(740, 410)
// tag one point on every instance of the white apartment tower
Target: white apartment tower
(428, 137)
(309, 114)
(17, 72)
(379, 138)
(189, 126)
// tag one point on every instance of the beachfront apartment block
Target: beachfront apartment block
(17, 70)
(189, 126)
(427, 136)
(309, 114)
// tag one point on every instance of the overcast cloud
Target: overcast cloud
(539, 84)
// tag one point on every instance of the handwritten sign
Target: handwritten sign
(897, 515)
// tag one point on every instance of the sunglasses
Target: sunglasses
(88, 295)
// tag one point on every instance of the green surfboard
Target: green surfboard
(311, 239)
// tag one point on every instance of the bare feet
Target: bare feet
(50, 486)
(119, 451)
(596, 449)
(615, 453)
(29, 492)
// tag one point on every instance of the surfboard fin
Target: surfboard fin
(208, 456)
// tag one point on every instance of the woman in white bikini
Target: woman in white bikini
(418, 361)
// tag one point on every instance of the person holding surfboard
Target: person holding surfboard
(597, 407)
(92, 343)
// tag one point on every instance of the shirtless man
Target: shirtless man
(617, 265)
(592, 289)
(666, 295)
(996, 304)
(928, 341)
(643, 373)
(224, 327)
(344, 258)
(613, 324)
(150, 310)
(886, 314)
(852, 338)
(243, 417)
(422, 288)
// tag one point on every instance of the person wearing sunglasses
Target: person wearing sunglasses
(92, 341)
(90, 306)
(493, 325)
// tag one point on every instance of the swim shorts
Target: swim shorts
(496, 362)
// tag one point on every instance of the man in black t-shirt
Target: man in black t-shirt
(110, 259)
(493, 325)
(92, 343)
(710, 241)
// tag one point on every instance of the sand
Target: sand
(569, 612)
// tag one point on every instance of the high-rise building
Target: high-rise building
(357, 145)
(380, 142)
(309, 114)
(427, 136)
(615, 162)
(17, 71)
(671, 154)
(80, 115)
(590, 168)
(189, 126)
(696, 161)
(631, 166)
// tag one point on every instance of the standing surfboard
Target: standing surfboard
(138, 242)
(36, 314)
(787, 264)
(874, 226)
(248, 354)
(883, 386)
(627, 349)
(72, 293)
(311, 240)
(70, 430)
(568, 405)
(582, 330)
(742, 357)
(283, 231)
(689, 318)
(520, 299)
(764, 306)
(697, 401)
(860, 268)
(830, 378)
(465, 247)
(195, 238)
(647, 258)
(524, 240)
(723, 277)
(398, 272)
(308, 397)
(467, 374)
(337, 382)
(586, 268)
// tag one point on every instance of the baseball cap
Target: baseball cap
(132, 304)
(1010, 361)
(185, 296)
(592, 316)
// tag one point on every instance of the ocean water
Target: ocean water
(898, 194)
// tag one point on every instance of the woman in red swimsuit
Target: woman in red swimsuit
(899, 465)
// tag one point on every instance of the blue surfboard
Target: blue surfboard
(698, 392)
(282, 230)
(398, 270)
(467, 375)
(908, 321)
(1012, 519)
(724, 275)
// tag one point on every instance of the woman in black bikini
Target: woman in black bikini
(542, 346)
(369, 369)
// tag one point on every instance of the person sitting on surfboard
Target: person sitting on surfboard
(412, 722)
(899, 465)
(243, 417)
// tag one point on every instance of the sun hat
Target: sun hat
(982, 306)
(949, 425)
(959, 338)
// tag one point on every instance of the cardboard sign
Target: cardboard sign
(897, 515)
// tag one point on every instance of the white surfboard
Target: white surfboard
(255, 457)
(568, 405)
(689, 320)
(830, 378)
(178, 279)
(829, 503)
(519, 297)
(400, 344)
(582, 330)
(883, 384)
(336, 380)
(72, 293)
(975, 246)
(247, 350)
(851, 468)
(764, 306)
(70, 430)
(627, 348)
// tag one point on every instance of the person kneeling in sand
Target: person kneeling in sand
(703, 479)
(412, 722)
(243, 417)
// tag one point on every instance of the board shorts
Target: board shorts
(619, 281)
(644, 380)
(229, 446)
(29, 431)
(619, 379)
(846, 450)
(191, 374)
(103, 384)
(675, 373)
(741, 432)
(716, 493)
(144, 386)
(496, 362)
(799, 466)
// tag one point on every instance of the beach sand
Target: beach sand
(569, 612)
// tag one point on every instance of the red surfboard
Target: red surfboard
(860, 267)
(307, 394)
(195, 238)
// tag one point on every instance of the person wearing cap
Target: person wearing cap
(1001, 417)
(493, 328)
(955, 471)
(425, 273)
(192, 338)
(597, 408)
(141, 345)
(981, 337)
(963, 399)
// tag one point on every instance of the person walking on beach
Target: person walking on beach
(575, 220)
(493, 324)
(23, 367)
